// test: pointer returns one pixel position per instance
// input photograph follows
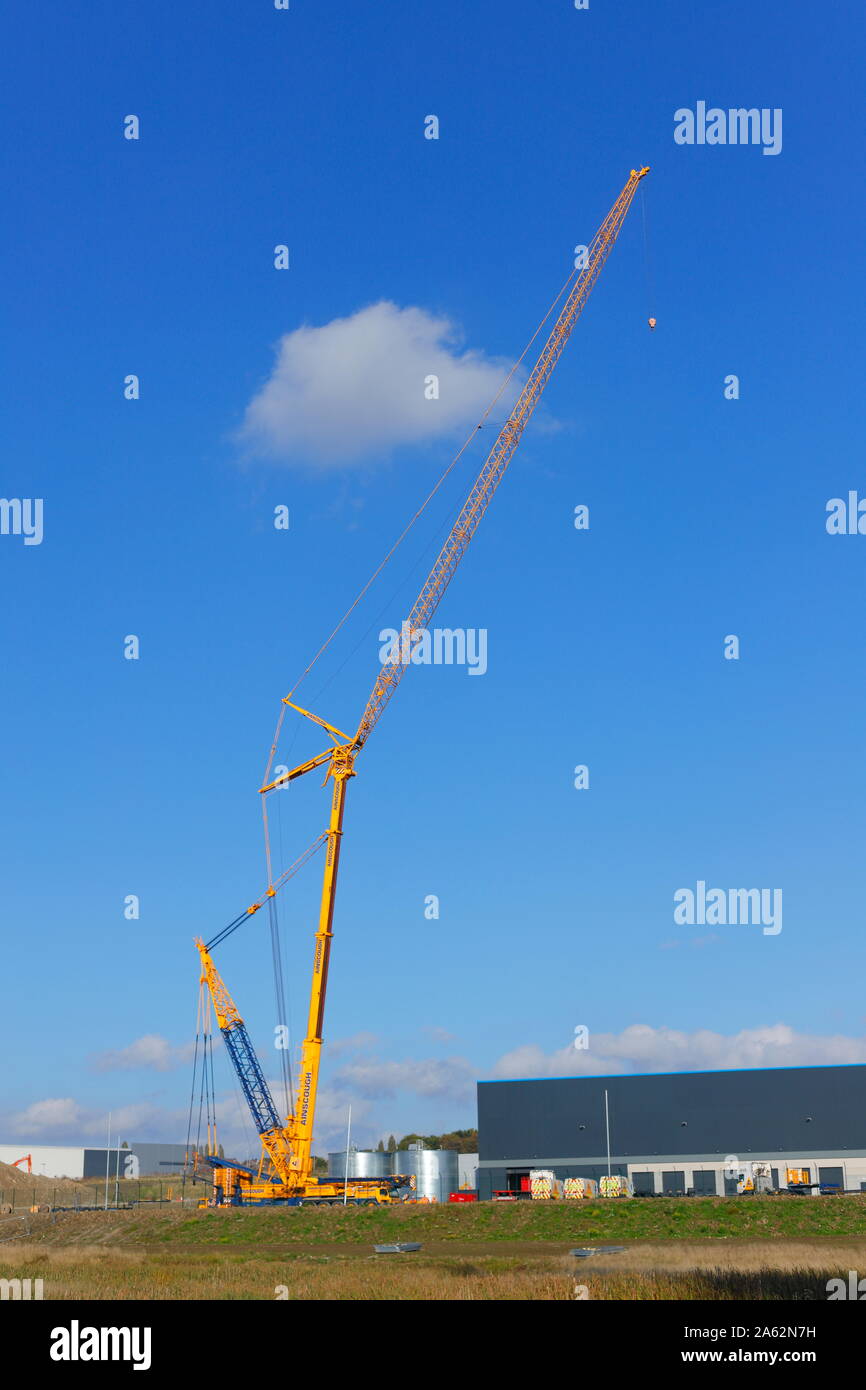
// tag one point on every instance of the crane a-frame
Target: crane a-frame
(285, 1173)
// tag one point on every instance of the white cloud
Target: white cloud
(331, 1115)
(641, 1049)
(59, 1119)
(440, 1035)
(151, 1051)
(450, 1078)
(58, 1115)
(358, 1042)
(354, 388)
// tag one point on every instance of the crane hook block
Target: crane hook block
(652, 323)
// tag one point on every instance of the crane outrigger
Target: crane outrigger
(285, 1172)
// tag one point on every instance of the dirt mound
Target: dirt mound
(23, 1182)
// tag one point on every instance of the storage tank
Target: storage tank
(435, 1171)
(363, 1163)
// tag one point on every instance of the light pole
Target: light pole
(346, 1175)
(107, 1159)
(607, 1129)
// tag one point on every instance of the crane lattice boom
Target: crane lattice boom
(289, 1147)
(499, 457)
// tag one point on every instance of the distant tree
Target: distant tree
(380, 1147)
(392, 1144)
(428, 1141)
(124, 1145)
(220, 1152)
(320, 1165)
(464, 1141)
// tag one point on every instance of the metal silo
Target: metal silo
(363, 1163)
(435, 1171)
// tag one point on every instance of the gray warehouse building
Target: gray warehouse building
(153, 1160)
(76, 1161)
(678, 1132)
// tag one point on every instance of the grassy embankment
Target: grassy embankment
(766, 1248)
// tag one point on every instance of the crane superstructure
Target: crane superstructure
(288, 1147)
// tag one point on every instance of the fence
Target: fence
(126, 1193)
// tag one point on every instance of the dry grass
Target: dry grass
(741, 1256)
(784, 1271)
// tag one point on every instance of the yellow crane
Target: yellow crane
(288, 1147)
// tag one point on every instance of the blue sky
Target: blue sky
(605, 647)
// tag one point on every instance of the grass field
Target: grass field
(695, 1248)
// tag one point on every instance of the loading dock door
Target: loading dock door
(704, 1183)
(674, 1182)
(644, 1182)
(832, 1177)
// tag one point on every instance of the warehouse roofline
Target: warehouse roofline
(698, 1071)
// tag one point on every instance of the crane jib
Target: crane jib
(500, 455)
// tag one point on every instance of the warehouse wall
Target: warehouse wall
(66, 1161)
(140, 1160)
(747, 1113)
(49, 1160)
(467, 1168)
(704, 1174)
